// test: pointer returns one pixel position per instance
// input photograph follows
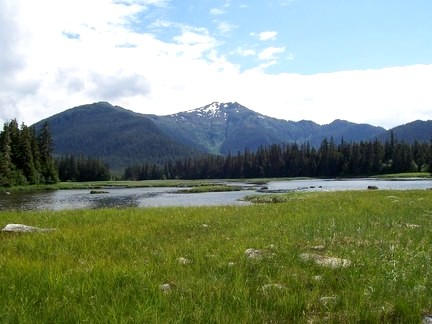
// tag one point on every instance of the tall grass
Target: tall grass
(106, 266)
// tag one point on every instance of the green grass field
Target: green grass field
(107, 266)
(405, 175)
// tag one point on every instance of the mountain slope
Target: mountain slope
(118, 136)
(415, 131)
(231, 127)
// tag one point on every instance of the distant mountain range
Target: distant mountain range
(122, 137)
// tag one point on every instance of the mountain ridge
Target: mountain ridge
(123, 137)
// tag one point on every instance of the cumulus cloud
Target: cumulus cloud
(216, 11)
(49, 72)
(270, 53)
(225, 27)
(267, 35)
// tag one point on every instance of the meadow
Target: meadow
(225, 264)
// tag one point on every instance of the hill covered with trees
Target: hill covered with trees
(26, 158)
(293, 160)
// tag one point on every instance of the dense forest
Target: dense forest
(293, 160)
(26, 158)
(71, 168)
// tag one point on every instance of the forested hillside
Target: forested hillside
(292, 160)
(26, 158)
(115, 135)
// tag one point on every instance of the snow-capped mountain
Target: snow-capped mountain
(231, 127)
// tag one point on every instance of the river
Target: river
(163, 197)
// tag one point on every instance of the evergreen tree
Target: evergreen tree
(6, 165)
(48, 168)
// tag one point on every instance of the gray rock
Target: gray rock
(254, 254)
(20, 228)
(325, 261)
(427, 319)
(328, 300)
(268, 287)
(165, 288)
(182, 260)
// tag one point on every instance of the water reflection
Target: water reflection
(158, 197)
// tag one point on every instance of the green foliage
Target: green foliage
(117, 136)
(24, 157)
(82, 169)
(292, 160)
(106, 266)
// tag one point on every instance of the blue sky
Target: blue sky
(364, 61)
(318, 36)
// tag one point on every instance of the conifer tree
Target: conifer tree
(48, 168)
(6, 165)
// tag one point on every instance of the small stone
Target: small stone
(317, 278)
(412, 225)
(326, 261)
(254, 253)
(427, 319)
(272, 286)
(318, 247)
(205, 225)
(328, 300)
(271, 246)
(182, 260)
(20, 228)
(166, 288)
(231, 264)
(7, 193)
(372, 188)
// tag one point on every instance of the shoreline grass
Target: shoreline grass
(213, 188)
(180, 183)
(108, 265)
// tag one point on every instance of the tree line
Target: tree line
(71, 168)
(297, 160)
(26, 158)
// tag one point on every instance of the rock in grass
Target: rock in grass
(182, 260)
(254, 254)
(166, 288)
(318, 247)
(231, 264)
(20, 228)
(275, 286)
(328, 300)
(326, 261)
(205, 225)
(427, 319)
(412, 225)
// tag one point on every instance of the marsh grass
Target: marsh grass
(211, 188)
(106, 266)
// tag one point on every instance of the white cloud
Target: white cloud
(245, 51)
(49, 72)
(270, 53)
(216, 11)
(225, 27)
(267, 35)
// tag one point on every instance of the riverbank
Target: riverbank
(261, 263)
(208, 183)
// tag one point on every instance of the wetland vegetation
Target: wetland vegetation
(260, 263)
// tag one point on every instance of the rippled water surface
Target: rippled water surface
(159, 197)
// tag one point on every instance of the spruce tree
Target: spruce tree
(48, 168)
(6, 165)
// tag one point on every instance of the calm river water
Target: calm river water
(160, 197)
